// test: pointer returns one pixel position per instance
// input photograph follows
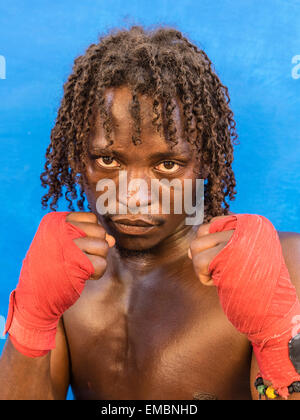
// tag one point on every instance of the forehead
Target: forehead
(119, 101)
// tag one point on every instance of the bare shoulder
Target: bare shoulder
(290, 244)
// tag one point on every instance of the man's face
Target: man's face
(152, 159)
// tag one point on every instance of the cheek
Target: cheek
(92, 176)
(189, 189)
(90, 182)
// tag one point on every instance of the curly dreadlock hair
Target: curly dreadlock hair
(163, 64)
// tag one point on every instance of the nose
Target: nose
(134, 189)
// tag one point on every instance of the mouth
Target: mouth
(133, 225)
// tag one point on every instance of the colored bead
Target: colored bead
(261, 389)
(270, 393)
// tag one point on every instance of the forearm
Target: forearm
(24, 378)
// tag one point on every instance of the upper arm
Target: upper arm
(290, 243)
(59, 364)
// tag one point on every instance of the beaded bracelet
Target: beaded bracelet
(269, 392)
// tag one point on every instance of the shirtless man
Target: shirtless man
(146, 324)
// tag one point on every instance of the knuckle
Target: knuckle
(198, 245)
(100, 246)
(203, 230)
(71, 217)
(105, 247)
(92, 217)
(194, 247)
(81, 216)
(201, 262)
(101, 265)
(101, 231)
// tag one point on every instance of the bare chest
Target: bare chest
(154, 340)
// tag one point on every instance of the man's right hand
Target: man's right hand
(96, 243)
(67, 250)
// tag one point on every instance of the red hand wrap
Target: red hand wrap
(257, 295)
(52, 278)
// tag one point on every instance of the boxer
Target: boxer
(119, 306)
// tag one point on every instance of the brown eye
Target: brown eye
(168, 166)
(108, 162)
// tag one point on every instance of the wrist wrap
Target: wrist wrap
(257, 295)
(52, 278)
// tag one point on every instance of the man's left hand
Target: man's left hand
(205, 247)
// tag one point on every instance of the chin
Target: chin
(139, 244)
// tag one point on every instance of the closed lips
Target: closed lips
(133, 222)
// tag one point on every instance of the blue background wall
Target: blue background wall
(255, 46)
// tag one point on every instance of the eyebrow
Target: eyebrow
(156, 156)
(170, 154)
